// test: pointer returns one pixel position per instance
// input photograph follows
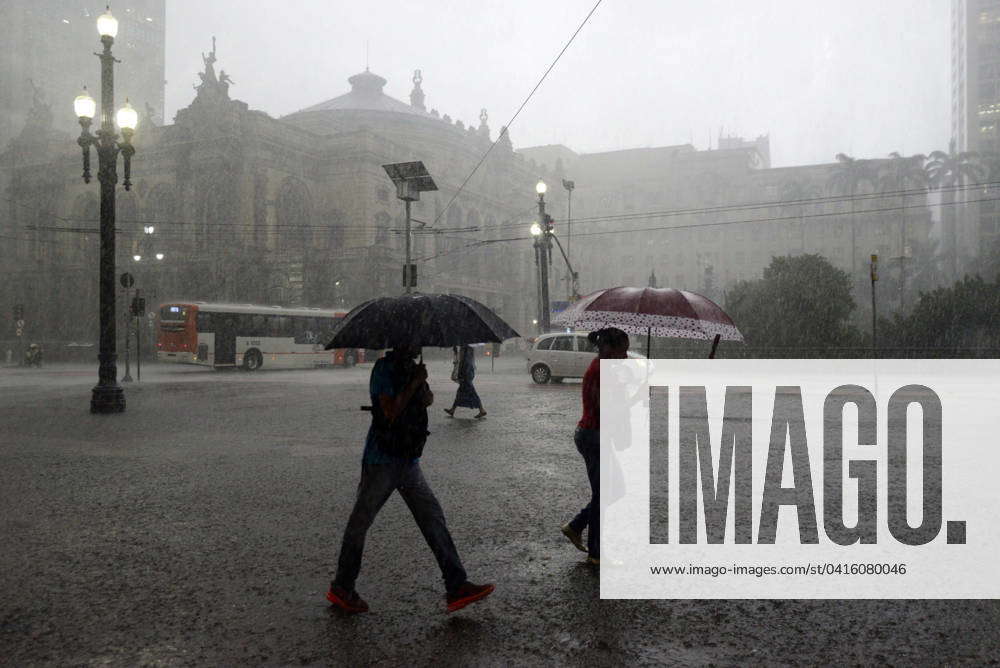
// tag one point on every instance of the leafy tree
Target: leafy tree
(949, 321)
(801, 302)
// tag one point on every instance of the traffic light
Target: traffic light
(18, 311)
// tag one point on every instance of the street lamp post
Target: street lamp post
(410, 179)
(107, 396)
(542, 231)
(536, 232)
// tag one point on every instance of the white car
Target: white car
(560, 355)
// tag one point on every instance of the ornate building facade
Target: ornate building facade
(240, 206)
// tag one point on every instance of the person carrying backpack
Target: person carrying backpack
(391, 462)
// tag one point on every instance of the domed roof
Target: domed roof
(366, 95)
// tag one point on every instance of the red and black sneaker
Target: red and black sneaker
(348, 601)
(466, 594)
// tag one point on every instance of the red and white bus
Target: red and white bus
(248, 336)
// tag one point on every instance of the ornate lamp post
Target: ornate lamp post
(107, 396)
(542, 231)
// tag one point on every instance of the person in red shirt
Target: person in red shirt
(612, 343)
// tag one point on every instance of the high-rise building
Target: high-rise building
(46, 59)
(970, 230)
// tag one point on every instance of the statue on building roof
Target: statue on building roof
(212, 87)
(484, 128)
(417, 94)
(225, 81)
(209, 75)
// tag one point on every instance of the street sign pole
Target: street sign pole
(127, 281)
(127, 378)
(406, 268)
(138, 339)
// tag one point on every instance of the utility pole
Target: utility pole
(571, 287)
(874, 277)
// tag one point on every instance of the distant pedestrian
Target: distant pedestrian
(463, 373)
(391, 462)
(612, 343)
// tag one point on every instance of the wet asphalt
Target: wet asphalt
(200, 527)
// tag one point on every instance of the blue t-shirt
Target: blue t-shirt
(381, 382)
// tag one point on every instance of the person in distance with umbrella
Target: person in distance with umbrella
(391, 462)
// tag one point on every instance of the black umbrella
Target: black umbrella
(419, 320)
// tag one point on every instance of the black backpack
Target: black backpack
(407, 435)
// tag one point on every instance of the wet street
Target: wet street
(201, 527)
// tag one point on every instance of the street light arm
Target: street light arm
(565, 257)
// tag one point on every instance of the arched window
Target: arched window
(127, 226)
(161, 211)
(294, 217)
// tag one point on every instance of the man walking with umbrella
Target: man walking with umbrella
(391, 462)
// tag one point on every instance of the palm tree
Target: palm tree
(950, 171)
(849, 174)
(798, 191)
(897, 175)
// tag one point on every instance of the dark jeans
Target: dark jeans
(378, 481)
(588, 443)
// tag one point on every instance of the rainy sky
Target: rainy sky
(821, 76)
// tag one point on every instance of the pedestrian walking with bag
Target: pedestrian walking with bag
(391, 462)
(463, 372)
(612, 343)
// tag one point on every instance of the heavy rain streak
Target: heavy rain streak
(218, 216)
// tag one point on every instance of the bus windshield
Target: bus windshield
(173, 313)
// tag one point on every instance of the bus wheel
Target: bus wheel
(349, 359)
(253, 360)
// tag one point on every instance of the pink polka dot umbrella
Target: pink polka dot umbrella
(654, 312)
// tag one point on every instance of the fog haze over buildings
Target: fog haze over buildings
(643, 73)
